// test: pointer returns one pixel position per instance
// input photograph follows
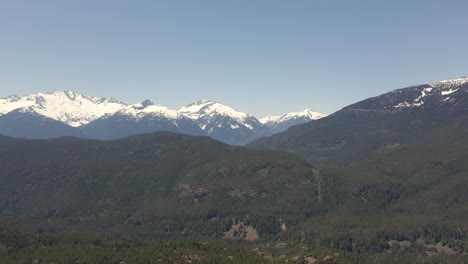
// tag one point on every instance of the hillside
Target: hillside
(162, 186)
(149, 179)
(398, 164)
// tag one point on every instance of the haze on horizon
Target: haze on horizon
(260, 57)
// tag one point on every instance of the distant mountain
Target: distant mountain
(283, 122)
(375, 125)
(225, 124)
(26, 123)
(107, 118)
(66, 106)
(138, 119)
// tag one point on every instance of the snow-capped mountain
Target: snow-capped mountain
(224, 123)
(144, 117)
(67, 113)
(283, 122)
(148, 108)
(66, 106)
(443, 95)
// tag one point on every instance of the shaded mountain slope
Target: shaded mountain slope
(25, 123)
(360, 131)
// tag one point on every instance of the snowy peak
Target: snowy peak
(283, 122)
(146, 103)
(308, 114)
(206, 108)
(148, 108)
(204, 101)
(65, 106)
(224, 123)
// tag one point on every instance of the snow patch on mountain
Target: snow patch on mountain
(441, 88)
(449, 92)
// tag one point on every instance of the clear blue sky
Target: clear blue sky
(259, 56)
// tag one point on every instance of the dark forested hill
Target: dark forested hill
(398, 164)
(149, 180)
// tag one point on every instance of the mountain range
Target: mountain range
(383, 180)
(65, 113)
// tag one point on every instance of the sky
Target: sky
(262, 57)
